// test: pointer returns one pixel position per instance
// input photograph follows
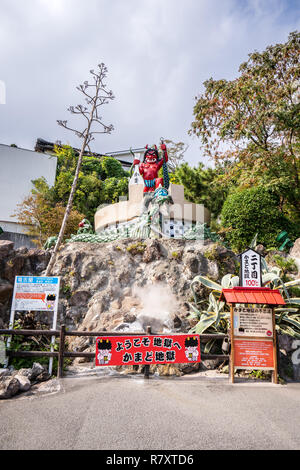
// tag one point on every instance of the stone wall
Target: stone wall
(126, 285)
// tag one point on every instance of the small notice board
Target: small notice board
(35, 293)
(253, 321)
(253, 354)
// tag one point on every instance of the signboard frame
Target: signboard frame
(232, 367)
(31, 281)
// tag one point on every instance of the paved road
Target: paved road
(160, 414)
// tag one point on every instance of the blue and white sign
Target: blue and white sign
(37, 280)
(32, 293)
(36, 293)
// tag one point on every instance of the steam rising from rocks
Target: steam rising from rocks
(159, 305)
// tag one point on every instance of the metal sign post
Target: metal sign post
(33, 293)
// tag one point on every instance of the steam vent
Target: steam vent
(163, 213)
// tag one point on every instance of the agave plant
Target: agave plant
(213, 315)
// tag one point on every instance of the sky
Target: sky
(158, 54)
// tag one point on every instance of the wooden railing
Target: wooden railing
(62, 353)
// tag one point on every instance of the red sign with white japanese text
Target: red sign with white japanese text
(156, 349)
(253, 354)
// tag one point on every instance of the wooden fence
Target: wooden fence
(62, 353)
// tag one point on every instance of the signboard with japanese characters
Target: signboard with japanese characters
(147, 350)
(253, 354)
(35, 293)
(250, 275)
(253, 321)
(38, 294)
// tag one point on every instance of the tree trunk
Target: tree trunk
(67, 213)
(74, 185)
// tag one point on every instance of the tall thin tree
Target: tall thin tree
(96, 95)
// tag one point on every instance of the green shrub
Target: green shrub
(253, 210)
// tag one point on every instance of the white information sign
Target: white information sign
(35, 293)
(253, 322)
(250, 269)
(32, 293)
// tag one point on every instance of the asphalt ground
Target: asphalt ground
(186, 413)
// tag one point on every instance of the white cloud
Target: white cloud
(158, 54)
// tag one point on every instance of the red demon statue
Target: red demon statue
(150, 167)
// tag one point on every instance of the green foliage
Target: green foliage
(43, 216)
(101, 181)
(259, 374)
(92, 165)
(201, 186)
(31, 343)
(247, 211)
(256, 116)
(213, 316)
(67, 291)
(286, 265)
(111, 168)
(136, 248)
(113, 188)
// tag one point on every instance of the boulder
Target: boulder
(24, 383)
(4, 373)
(13, 267)
(295, 251)
(6, 289)
(32, 374)
(24, 373)
(9, 386)
(36, 371)
(6, 248)
(43, 377)
(152, 252)
(80, 298)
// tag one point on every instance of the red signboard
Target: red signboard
(156, 349)
(253, 354)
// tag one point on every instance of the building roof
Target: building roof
(252, 295)
(43, 146)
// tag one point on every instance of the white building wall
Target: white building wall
(18, 167)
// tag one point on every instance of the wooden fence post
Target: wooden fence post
(231, 360)
(275, 350)
(60, 367)
(147, 367)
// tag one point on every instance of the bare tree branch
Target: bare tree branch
(95, 98)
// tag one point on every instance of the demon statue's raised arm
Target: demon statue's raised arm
(150, 167)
